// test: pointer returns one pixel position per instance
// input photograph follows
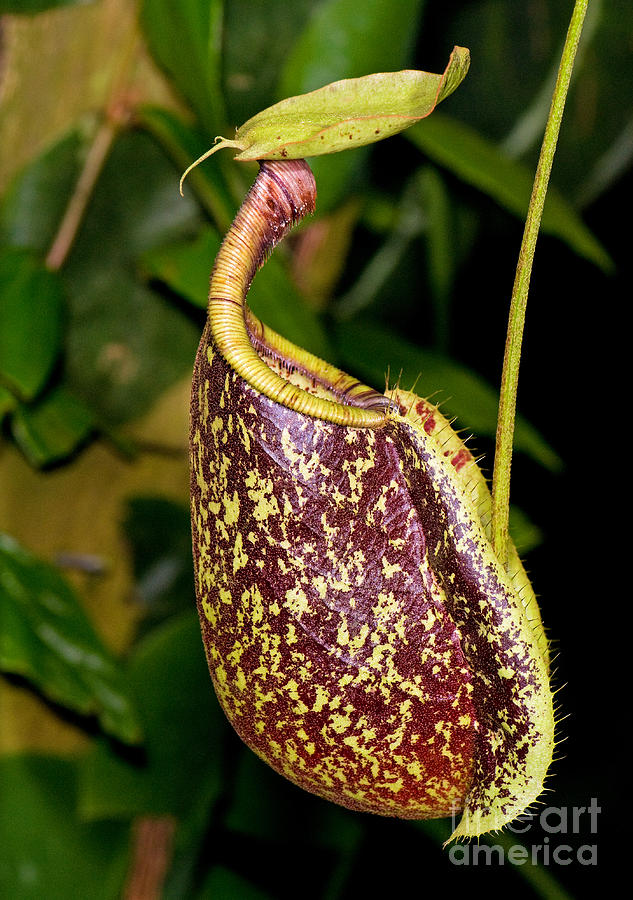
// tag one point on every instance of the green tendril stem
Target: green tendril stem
(512, 357)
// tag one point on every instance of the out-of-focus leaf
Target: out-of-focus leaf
(185, 268)
(515, 52)
(36, 198)
(46, 850)
(30, 7)
(408, 222)
(478, 162)
(125, 343)
(321, 252)
(371, 351)
(609, 167)
(222, 882)
(274, 298)
(598, 142)
(190, 844)
(30, 322)
(441, 249)
(51, 429)
(348, 40)
(123, 355)
(185, 37)
(158, 531)
(525, 534)
(184, 732)
(8, 402)
(183, 143)
(256, 41)
(46, 637)
(65, 68)
(517, 55)
(425, 210)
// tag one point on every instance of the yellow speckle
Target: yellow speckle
(209, 612)
(339, 723)
(389, 569)
(320, 584)
(239, 556)
(231, 508)
(342, 636)
(330, 531)
(296, 601)
(322, 699)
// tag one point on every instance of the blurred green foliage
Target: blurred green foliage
(403, 273)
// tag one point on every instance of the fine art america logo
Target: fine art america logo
(555, 825)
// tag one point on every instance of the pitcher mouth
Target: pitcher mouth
(310, 373)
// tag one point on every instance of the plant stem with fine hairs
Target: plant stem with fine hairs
(510, 374)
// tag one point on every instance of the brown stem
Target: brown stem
(69, 226)
(118, 112)
(151, 855)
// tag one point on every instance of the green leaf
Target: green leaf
(158, 532)
(257, 37)
(264, 807)
(276, 301)
(442, 252)
(46, 637)
(30, 322)
(46, 850)
(184, 732)
(8, 402)
(273, 296)
(408, 220)
(185, 266)
(222, 882)
(371, 351)
(30, 7)
(125, 344)
(345, 40)
(348, 113)
(480, 164)
(182, 142)
(53, 428)
(185, 37)
(524, 533)
(345, 114)
(34, 202)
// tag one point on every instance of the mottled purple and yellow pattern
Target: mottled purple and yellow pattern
(361, 636)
